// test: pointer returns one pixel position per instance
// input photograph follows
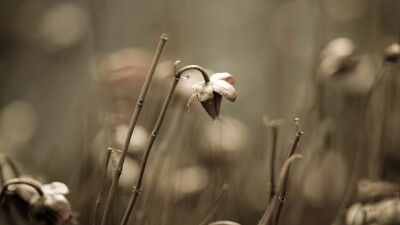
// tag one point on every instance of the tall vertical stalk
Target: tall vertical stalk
(282, 194)
(135, 116)
(215, 206)
(103, 179)
(137, 188)
(274, 127)
(268, 215)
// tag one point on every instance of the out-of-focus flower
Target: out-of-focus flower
(336, 56)
(386, 212)
(392, 53)
(324, 185)
(186, 182)
(224, 223)
(50, 208)
(210, 93)
(226, 142)
(64, 25)
(138, 139)
(359, 214)
(375, 190)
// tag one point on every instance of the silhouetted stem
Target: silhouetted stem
(357, 162)
(102, 184)
(7, 160)
(135, 116)
(137, 188)
(27, 181)
(269, 212)
(215, 206)
(282, 194)
(273, 158)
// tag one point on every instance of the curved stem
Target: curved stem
(269, 212)
(11, 163)
(216, 205)
(26, 181)
(283, 190)
(194, 67)
(137, 188)
(135, 116)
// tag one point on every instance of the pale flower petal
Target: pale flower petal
(220, 76)
(204, 92)
(225, 89)
(55, 188)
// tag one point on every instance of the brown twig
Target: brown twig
(282, 194)
(269, 212)
(274, 127)
(137, 188)
(27, 181)
(216, 205)
(102, 184)
(135, 116)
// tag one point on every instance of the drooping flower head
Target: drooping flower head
(210, 93)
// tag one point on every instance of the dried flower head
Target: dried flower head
(210, 93)
(50, 207)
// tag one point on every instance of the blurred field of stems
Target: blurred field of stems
(71, 73)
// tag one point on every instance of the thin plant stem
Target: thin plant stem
(13, 166)
(137, 188)
(216, 205)
(102, 184)
(135, 116)
(357, 162)
(194, 67)
(273, 158)
(27, 181)
(282, 194)
(269, 212)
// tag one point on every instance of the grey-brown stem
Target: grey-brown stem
(282, 194)
(135, 116)
(103, 179)
(194, 67)
(137, 188)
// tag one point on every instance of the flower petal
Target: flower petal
(190, 102)
(225, 89)
(223, 76)
(212, 105)
(55, 188)
(204, 92)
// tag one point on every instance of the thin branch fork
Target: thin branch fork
(282, 194)
(135, 116)
(269, 212)
(137, 188)
(216, 205)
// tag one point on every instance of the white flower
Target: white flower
(210, 93)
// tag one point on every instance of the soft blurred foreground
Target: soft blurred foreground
(317, 86)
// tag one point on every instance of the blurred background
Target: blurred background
(71, 72)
